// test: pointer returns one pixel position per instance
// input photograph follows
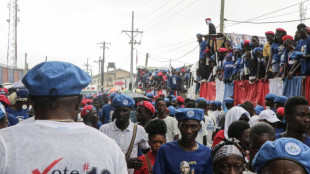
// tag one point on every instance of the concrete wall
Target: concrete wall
(10, 75)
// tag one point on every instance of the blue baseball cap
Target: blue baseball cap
(285, 149)
(123, 100)
(56, 79)
(229, 100)
(258, 109)
(171, 110)
(200, 99)
(167, 99)
(270, 96)
(280, 99)
(112, 95)
(189, 114)
(150, 95)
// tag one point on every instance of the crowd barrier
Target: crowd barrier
(255, 92)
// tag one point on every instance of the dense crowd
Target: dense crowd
(116, 133)
(171, 80)
(282, 56)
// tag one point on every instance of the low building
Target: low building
(111, 77)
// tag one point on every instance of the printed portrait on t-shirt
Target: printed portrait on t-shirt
(187, 167)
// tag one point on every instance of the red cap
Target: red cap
(246, 42)
(269, 32)
(208, 19)
(284, 38)
(3, 90)
(280, 111)
(156, 97)
(206, 50)
(180, 99)
(147, 105)
(221, 50)
(182, 70)
(280, 29)
(160, 74)
(83, 102)
(86, 110)
(4, 99)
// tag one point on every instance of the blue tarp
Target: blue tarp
(292, 87)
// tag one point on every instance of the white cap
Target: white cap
(268, 115)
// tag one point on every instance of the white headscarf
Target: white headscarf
(233, 115)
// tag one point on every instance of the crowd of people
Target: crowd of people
(282, 56)
(116, 133)
(171, 80)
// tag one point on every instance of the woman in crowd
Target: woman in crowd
(228, 157)
(90, 116)
(157, 130)
(240, 130)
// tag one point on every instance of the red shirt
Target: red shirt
(218, 138)
(143, 169)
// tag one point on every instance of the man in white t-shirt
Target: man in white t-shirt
(55, 143)
(122, 131)
(172, 124)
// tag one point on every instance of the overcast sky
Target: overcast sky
(69, 30)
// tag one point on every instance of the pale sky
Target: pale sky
(69, 30)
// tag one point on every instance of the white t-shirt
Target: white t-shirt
(210, 128)
(213, 117)
(123, 138)
(201, 133)
(54, 147)
(172, 128)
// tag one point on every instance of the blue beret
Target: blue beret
(167, 99)
(147, 78)
(209, 102)
(200, 99)
(218, 103)
(258, 109)
(282, 148)
(174, 99)
(296, 55)
(280, 99)
(270, 96)
(150, 95)
(199, 34)
(112, 95)
(56, 78)
(187, 70)
(173, 96)
(229, 100)
(22, 93)
(257, 49)
(123, 100)
(171, 110)
(189, 114)
(165, 70)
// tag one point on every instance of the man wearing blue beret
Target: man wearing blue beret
(55, 141)
(297, 116)
(280, 101)
(185, 155)
(123, 131)
(285, 156)
(269, 102)
(107, 111)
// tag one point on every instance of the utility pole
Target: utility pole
(99, 63)
(26, 65)
(146, 59)
(87, 65)
(102, 61)
(302, 11)
(132, 42)
(222, 16)
(45, 58)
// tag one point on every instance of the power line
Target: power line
(153, 26)
(169, 45)
(273, 22)
(139, 21)
(173, 49)
(164, 13)
(276, 16)
(185, 54)
(266, 14)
